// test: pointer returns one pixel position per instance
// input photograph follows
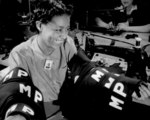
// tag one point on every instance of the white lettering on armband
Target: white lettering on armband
(118, 88)
(111, 80)
(116, 102)
(98, 75)
(27, 89)
(19, 74)
(20, 107)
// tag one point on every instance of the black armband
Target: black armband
(98, 88)
(17, 91)
(117, 88)
(22, 109)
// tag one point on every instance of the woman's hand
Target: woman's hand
(144, 91)
(122, 26)
(103, 24)
(111, 25)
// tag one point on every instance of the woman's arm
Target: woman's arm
(144, 28)
(103, 24)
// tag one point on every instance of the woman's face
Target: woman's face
(126, 3)
(55, 32)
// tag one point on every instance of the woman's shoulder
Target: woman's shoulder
(25, 46)
(69, 39)
(69, 44)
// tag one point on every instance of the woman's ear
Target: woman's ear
(39, 26)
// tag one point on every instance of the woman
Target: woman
(134, 18)
(45, 55)
(137, 19)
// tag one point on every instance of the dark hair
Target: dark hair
(46, 10)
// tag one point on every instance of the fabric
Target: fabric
(94, 93)
(18, 95)
(47, 71)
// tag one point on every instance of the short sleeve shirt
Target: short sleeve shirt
(47, 71)
(139, 16)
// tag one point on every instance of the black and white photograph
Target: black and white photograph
(74, 59)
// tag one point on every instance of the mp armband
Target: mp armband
(21, 109)
(19, 95)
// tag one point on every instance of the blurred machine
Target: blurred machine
(124, 57)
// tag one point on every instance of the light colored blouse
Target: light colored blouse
(47, 71)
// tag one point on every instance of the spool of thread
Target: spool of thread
(138, 42)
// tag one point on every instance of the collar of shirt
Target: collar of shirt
(35, 47)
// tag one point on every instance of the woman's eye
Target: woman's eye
(68, 29)
(62, 30)
(58, 30)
